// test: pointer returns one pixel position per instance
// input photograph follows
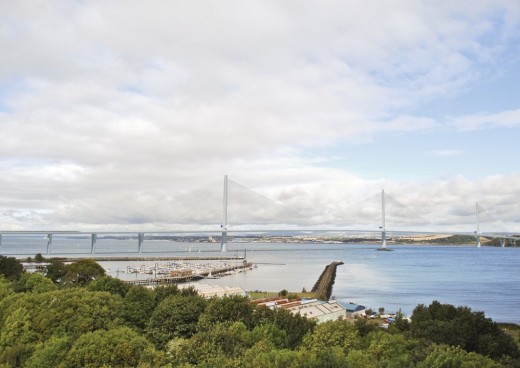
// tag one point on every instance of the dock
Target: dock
(169, 280)
(158, 258)
(323, 287)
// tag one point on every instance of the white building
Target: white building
(210, 291)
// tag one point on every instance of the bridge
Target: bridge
(257, 205)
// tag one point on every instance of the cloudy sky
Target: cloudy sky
(129, 113)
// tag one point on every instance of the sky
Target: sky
(122, 114)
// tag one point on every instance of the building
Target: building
(354, 310)
(318, 310)
(210, 291)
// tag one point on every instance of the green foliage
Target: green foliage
(82, 272)
(226, 341)
(120, 347)
(6, 287)
(389, 350)
(295, 325)
(163, 292)
(16, 338)
(364, 326)
(106, 323)
(446, 324)
(109, 284)
(68, 311)
(34, 283)
(49, 353)
(330, 334)
(227, 309)
(10, 267)
(138, 306)
(39, 258)
(55, 271)
(175, 316)
(444, 356)
(271, 334)
(272, 358)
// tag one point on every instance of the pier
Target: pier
(323, 287)
(169, 280)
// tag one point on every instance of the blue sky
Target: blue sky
(109, 111)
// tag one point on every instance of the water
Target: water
(485, 279)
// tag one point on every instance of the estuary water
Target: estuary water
(485, 279)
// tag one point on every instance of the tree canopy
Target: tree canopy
(86, 319)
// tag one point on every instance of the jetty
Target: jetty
(168, 280)
(152, 258)
(323, 287)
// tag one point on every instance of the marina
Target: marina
(179, 273)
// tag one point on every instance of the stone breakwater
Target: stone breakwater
(323, 287)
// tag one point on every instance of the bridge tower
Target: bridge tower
(223, 241)
(477, 233)
(383, 221)
(49, 243)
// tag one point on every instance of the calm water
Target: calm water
(486, 279)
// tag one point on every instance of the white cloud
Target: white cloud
(445, 153)
(503, 119)
(109, 108)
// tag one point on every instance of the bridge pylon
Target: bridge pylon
(383, 221)
(477, 233)
(49, 243)
(223, 239)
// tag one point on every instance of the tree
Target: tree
(364, 327)
(389, 350)
(330, 334)
(69, 311)
(82, 272)
(5, 287)
(10, 267)
(49, 353)
(222, 345)
(175, 316)
(271, 334)
(138, 306)
(295, 325)
(164, 291)
(39, 258)
(444, 356)
(227, 309)
(459, 326)
(34, 283)
(55, 271)
(120, 347)
(109, 284)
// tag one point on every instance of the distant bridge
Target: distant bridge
(224, 229)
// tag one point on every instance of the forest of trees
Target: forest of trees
(75, 316)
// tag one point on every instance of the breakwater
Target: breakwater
(167, 280)
(323, 287)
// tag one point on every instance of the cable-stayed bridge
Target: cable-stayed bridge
(216, 211)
